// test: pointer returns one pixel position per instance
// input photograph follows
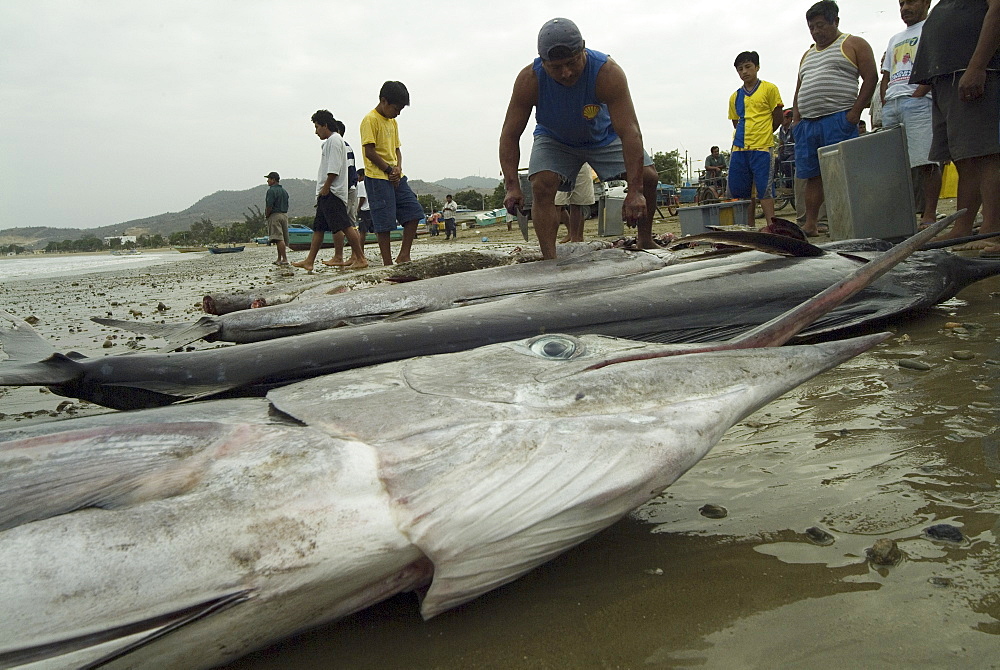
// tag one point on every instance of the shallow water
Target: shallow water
(866, 451)
(72, 265)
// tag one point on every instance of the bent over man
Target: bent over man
(584, 114)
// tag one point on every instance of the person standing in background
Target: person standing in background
(959, 59)
(828, 103)
(911, 104)
(449, 209)
(390, 197)
(276, 213)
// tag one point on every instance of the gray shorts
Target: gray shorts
(965, 129)
(915, 114)
(551, 155)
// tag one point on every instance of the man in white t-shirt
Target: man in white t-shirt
(331, 193)
(911, 104)
(448, 212)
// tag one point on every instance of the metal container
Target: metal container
(867, 186)
(609, 216)
(697, 220)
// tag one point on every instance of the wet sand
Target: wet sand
(869, 450)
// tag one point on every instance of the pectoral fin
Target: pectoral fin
(154, 628)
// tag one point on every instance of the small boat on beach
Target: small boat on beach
(225, 250)
(300, 237)
(491, 217)
(126, 252)
(188, 250)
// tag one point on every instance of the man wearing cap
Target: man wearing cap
(584, 114)
(276, 212)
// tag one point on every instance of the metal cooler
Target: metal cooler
(867, 185)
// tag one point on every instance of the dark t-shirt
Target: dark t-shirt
(949, 39)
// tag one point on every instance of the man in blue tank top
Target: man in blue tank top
(584, 114)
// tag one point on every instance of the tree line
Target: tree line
(669, 166)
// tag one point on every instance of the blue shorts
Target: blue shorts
(811, 134)
(550, 155)
(389, 204)
(748, 169)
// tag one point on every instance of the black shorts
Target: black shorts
(366, 225)
(331, 214)
(965, 129)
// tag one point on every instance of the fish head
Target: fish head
(496, 459)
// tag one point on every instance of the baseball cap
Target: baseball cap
(558, 33)
(272, 175)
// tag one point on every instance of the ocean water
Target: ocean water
(72, 265)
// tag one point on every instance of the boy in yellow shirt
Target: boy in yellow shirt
(755, 110)
(390, 198)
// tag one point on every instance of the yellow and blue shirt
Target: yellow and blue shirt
(753, 111)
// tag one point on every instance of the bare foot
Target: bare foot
(335, 262)
(565, 240)
(648, 244)
(356, 265)
(400, 259)
(977, 245)
(303, 265)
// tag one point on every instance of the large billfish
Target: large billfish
(705, 302)
(186, 536)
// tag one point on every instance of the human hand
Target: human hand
(634, 207)
(324, 190)
(514, 200)
(972, 85)
(853, 117)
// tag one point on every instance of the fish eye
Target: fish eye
(556, 347)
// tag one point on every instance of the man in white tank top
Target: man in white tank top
(828, 102)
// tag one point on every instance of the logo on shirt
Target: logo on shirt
(590, 112)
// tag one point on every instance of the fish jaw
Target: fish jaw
(503, 458)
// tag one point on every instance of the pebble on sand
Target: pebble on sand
(884, 552)
(913, 364)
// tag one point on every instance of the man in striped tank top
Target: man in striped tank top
(828, 103)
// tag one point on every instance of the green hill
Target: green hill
(221, 207)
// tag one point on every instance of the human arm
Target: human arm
(776, 115)
(372, 155)
(324, 190)
(395, 172)
(268, 204)
(612, 90)
(972, 84)
(883, 86)
(522, 99)
(860, 53)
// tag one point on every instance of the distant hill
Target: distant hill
(476, 183)
(223, 207)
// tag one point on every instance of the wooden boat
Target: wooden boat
(491, 217)
(188, 250)
(225, 250)
(300, 237)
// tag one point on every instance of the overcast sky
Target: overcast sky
(112, 110)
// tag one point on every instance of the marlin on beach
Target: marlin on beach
(186, 536)
(705, 302)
